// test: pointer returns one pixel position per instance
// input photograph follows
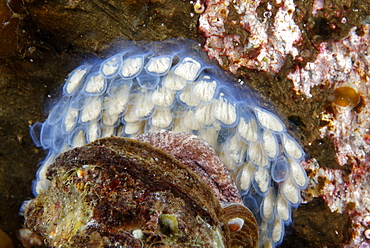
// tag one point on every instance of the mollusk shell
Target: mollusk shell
(124, 192)
(197, 155)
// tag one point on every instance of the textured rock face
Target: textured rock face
(319, 52)
(119, 191)
(27, 81)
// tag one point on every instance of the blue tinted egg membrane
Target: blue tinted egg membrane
(172, 85)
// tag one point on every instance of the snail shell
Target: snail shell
(200, 157)
(124, 192)
(242, 225)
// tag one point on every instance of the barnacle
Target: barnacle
(168, 86)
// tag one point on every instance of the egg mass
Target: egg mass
(170, 86)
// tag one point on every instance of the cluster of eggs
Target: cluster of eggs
(167, 86)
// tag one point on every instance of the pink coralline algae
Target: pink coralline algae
(261, 36)
(348, 194)
(267, 46)
(344, 63)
